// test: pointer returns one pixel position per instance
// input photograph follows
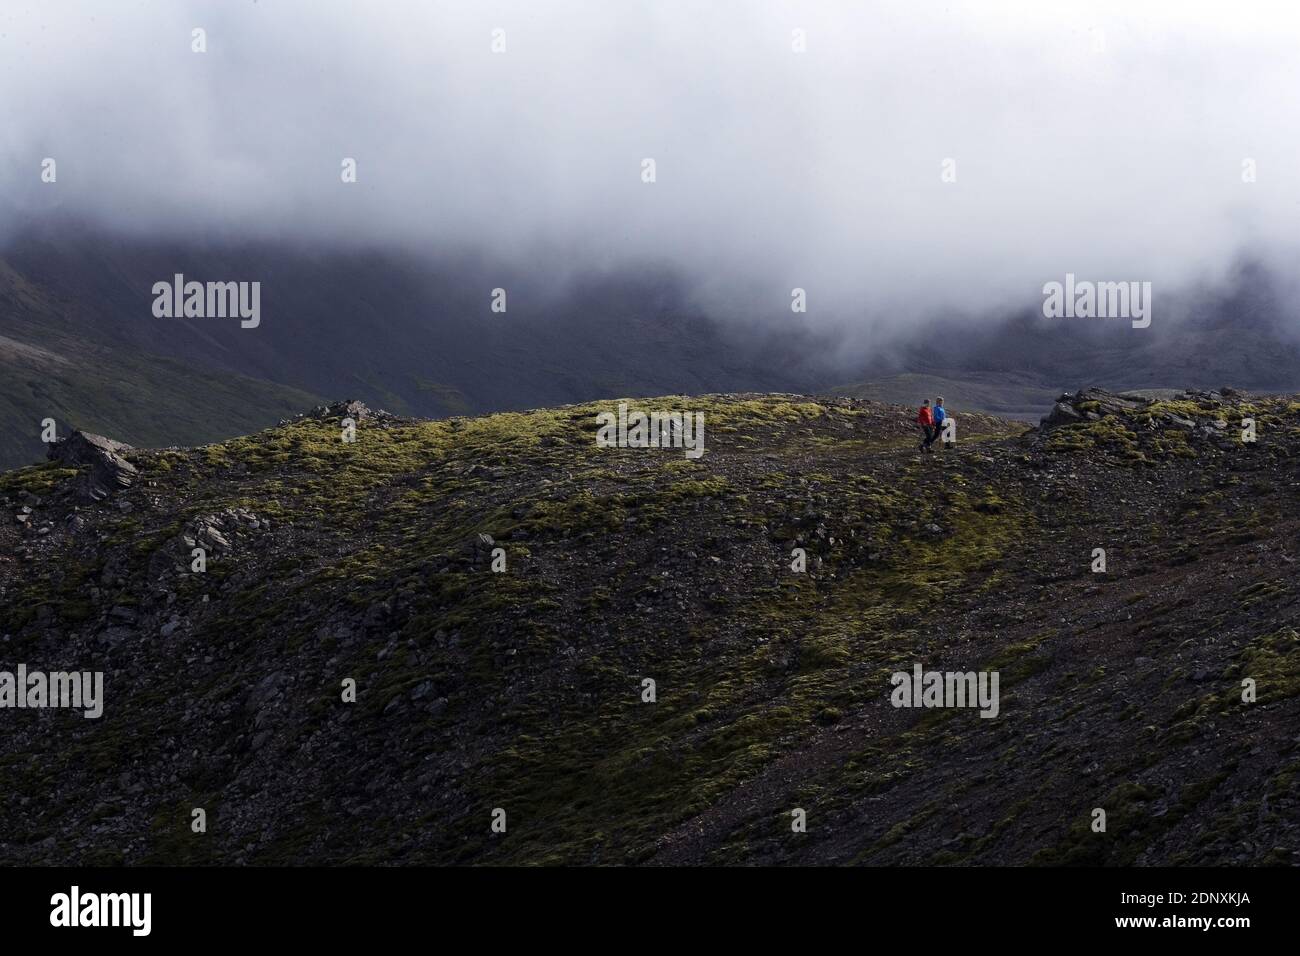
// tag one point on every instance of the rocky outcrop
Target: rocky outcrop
(217, 534)
(1090, 405)
(351, 408)
(1199, 411)
(105, 469)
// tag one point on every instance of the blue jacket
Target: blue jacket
(939, 415)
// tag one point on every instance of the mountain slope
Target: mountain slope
(523, 690)
(1242, 331)
(145, 399)
(1008, 395)
(411, 331)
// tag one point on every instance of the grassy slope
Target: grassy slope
(140, 399)
(626, 564)
(1003, 394)
(57, 362)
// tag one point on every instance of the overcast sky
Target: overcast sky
(1106, 139)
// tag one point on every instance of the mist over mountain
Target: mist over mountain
(417, 335)
(413, 331)
(586, 433)
(1240, 331)
(896, 161)
(652, 186)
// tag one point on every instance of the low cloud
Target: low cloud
(1107, 140)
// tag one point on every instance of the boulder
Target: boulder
(106, 470)
(1062, 413)
(1090, 404)
(351, 408)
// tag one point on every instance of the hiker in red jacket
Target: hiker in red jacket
(926, 421)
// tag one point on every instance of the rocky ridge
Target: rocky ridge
(372, 561)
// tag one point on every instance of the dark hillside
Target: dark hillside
(522, 690)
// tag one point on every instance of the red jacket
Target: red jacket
(924, 417)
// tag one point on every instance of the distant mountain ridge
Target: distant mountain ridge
(415, 334)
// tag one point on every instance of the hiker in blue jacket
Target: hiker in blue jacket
(938, 414)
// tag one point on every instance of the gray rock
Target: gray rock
(266, 690)
(115, 635)
(1067, 410)
(1061, 414)
(106, 471)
